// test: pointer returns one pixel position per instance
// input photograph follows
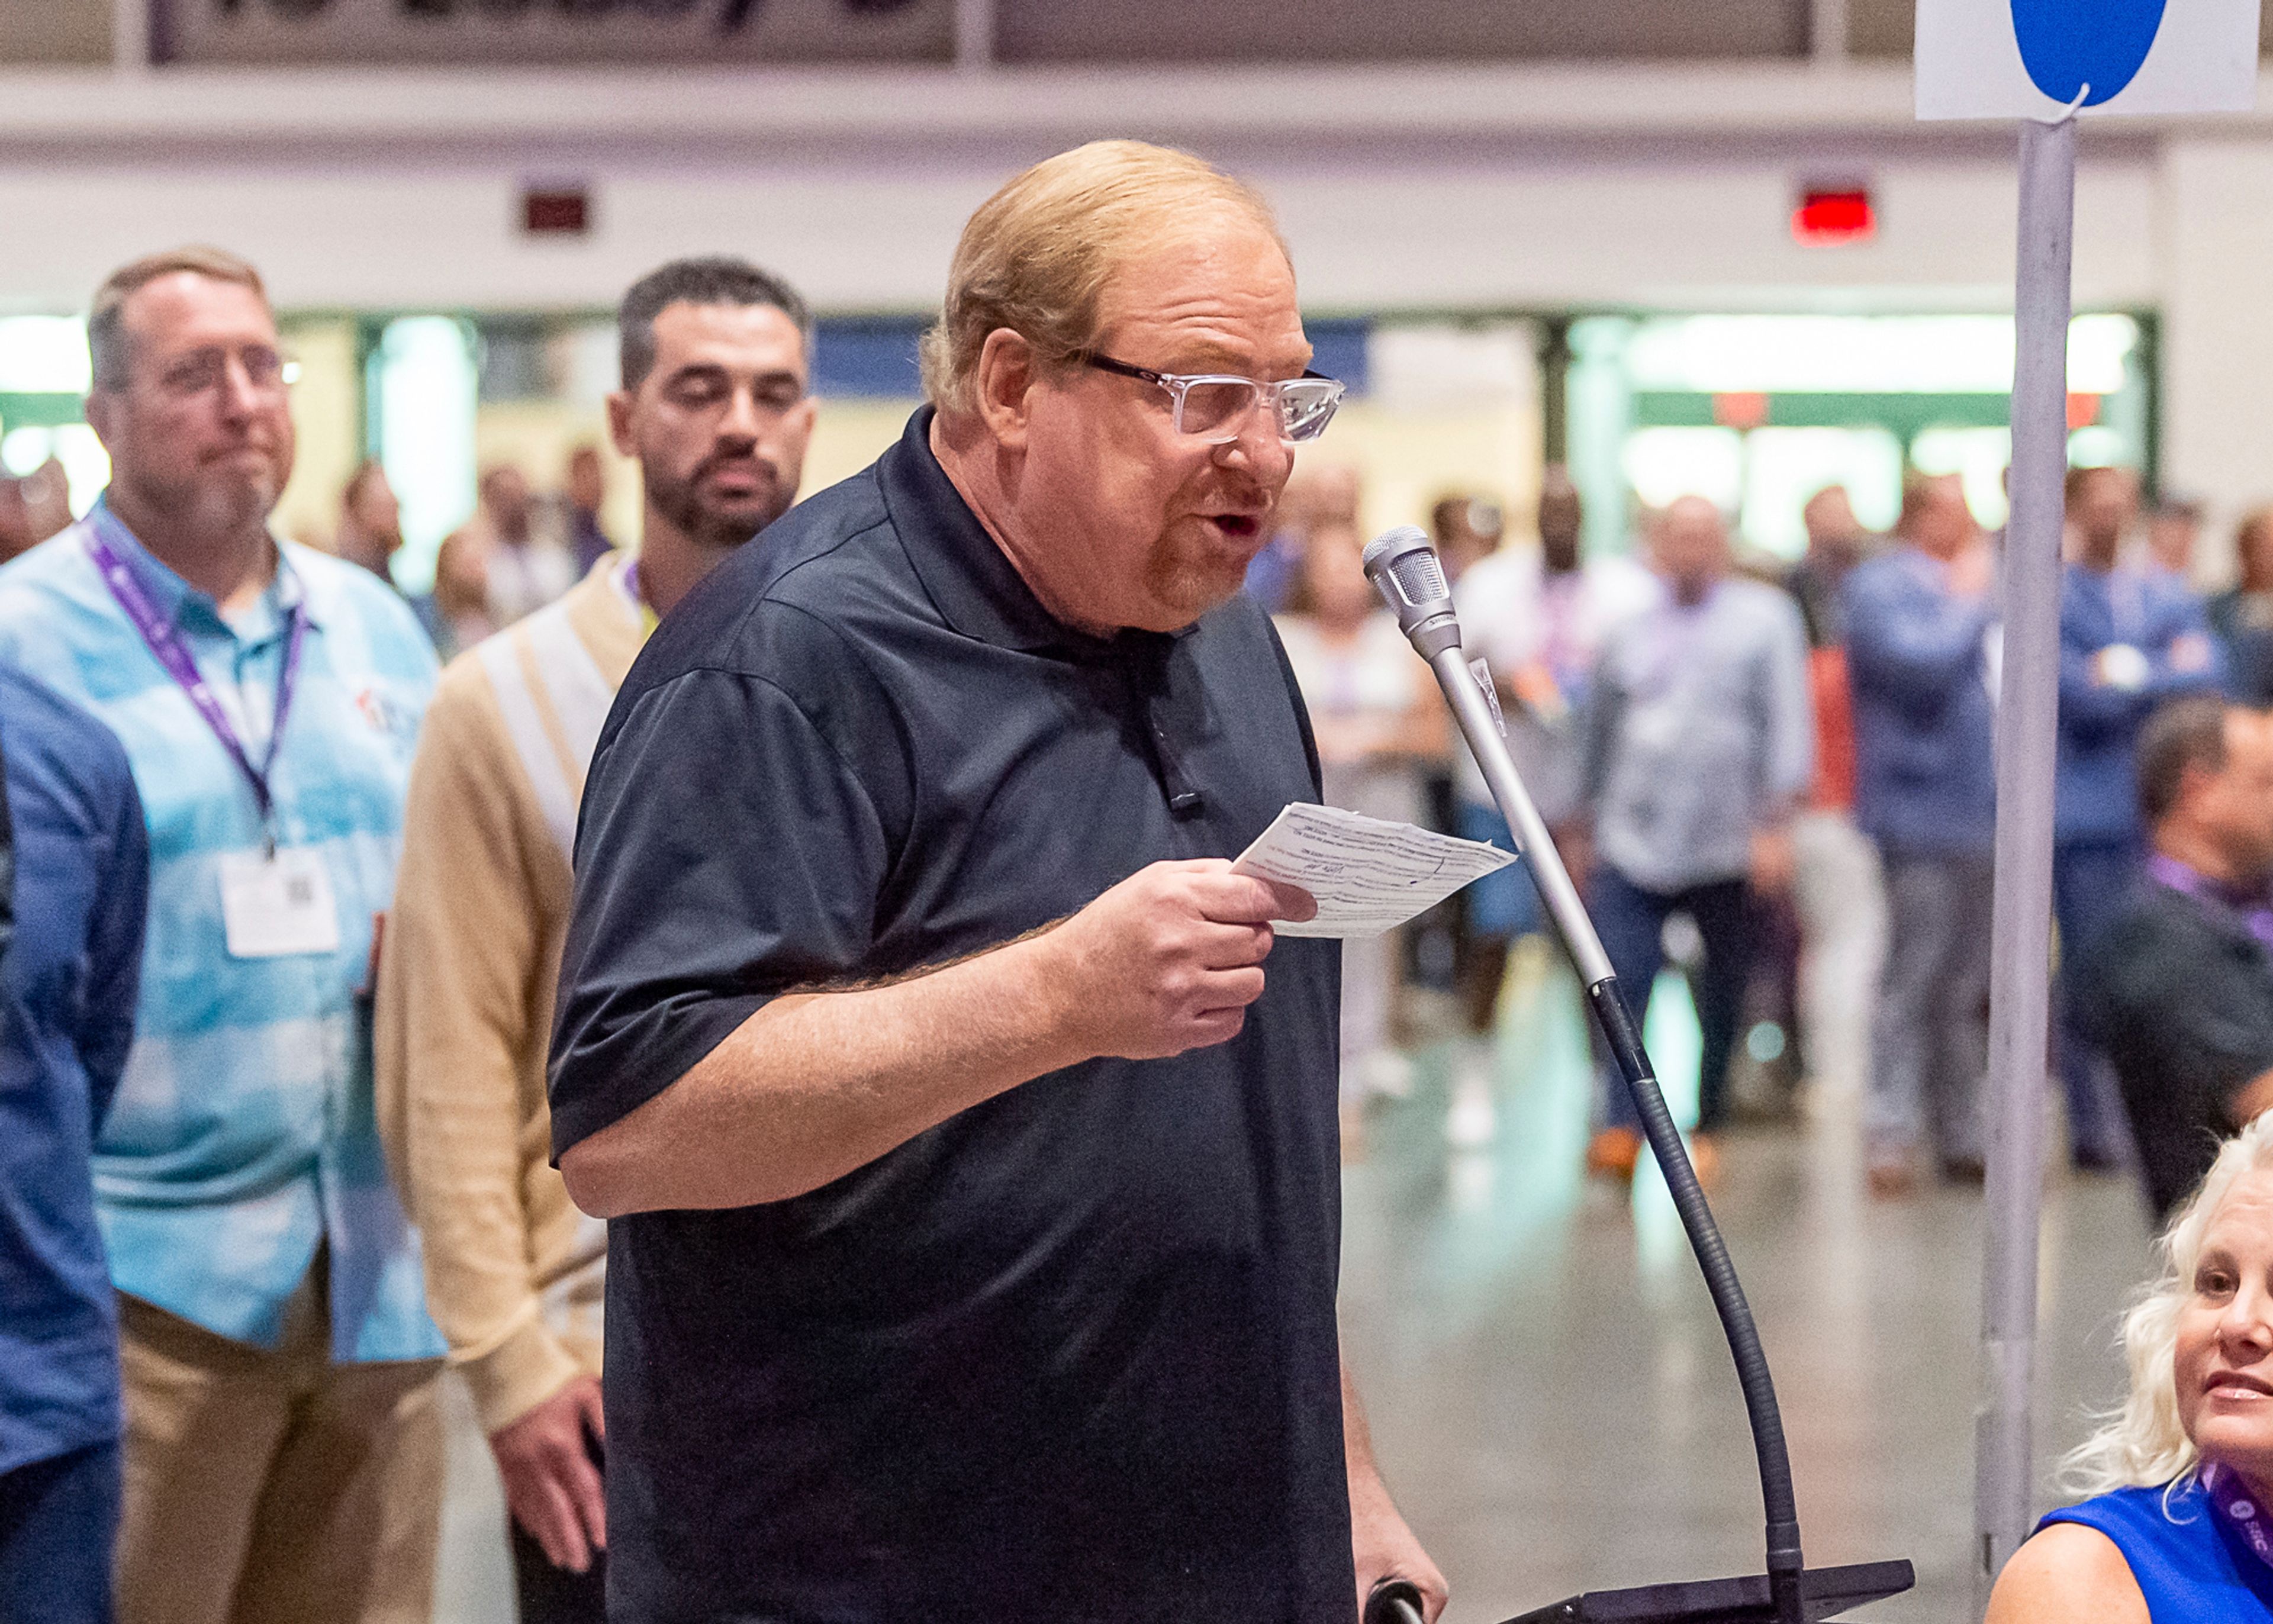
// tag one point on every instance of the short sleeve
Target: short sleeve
(727, 853)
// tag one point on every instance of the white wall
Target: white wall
(1406, 235)
(1703, 232)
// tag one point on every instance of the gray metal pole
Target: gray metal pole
(2021, 934)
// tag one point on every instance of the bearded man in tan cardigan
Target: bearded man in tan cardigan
(716, 407)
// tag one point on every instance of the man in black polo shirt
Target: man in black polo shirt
(976, 1190)
(2180, 989)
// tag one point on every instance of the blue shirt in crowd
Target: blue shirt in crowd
(67, 992)
(244, 1135)
(2099, 722)
(1925, 770)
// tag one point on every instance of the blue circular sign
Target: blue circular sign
(2069, 44)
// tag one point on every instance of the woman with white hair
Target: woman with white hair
(2181, 1524)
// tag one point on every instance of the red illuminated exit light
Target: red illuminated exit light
(1835, 214)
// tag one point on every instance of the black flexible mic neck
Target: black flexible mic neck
(1404, 568)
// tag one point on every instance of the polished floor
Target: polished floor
(1551, 1395)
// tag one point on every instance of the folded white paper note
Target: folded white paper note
(1368, 876)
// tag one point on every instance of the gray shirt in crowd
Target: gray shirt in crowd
(1698, 729)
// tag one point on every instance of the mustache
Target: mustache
(261, 443)
(718, 460)
(1238, 487)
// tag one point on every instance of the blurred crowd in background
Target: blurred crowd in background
(1780, 778)
(1777, 777)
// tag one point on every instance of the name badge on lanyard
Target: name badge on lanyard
(273, 904)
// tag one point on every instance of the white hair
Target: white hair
(2142, 1444)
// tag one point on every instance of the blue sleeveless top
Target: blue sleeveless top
(2188, 1566)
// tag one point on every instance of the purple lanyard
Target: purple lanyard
(2256, 914)
(165, 644)
(2239, 1511)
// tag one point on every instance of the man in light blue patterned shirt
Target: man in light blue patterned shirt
(282, 1450)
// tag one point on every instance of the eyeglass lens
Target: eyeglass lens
(201, 370)
(1212, 405)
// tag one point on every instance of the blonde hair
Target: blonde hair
(2142, 1444)
(1039, 254)
(105, 330)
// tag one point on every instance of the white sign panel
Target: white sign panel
(2031, 58)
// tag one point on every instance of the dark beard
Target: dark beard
(707, 527)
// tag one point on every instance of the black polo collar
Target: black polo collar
(969, 577)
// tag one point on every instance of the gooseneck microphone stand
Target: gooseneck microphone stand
(1403, 569)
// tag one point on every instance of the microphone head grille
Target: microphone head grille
(1391, 543)
(1420, 577)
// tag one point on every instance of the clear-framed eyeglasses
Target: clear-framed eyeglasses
(1213, 406)
(266, 371)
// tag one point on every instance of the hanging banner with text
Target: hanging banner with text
(555, 33)
(2032, 58)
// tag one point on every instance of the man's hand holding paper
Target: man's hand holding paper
(1169, 958)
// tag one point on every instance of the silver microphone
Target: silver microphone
(1404, 568)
